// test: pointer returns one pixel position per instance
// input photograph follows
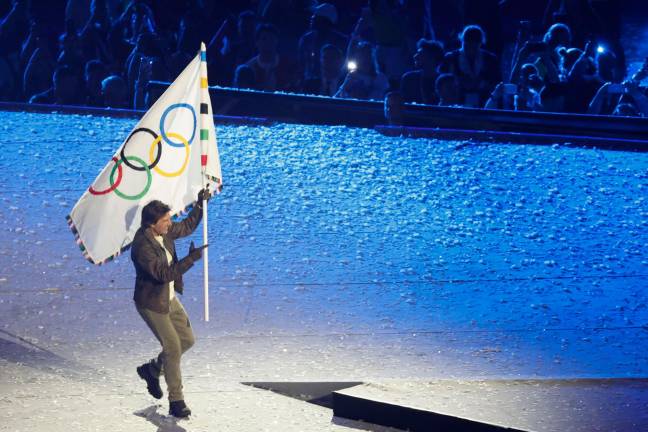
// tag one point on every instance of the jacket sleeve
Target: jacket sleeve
(188, 225)
(147, 260)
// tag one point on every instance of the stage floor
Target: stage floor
(336, 254)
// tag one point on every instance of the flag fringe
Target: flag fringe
(84, 250)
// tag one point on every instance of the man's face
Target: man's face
(471, 47)
(267, 43)
(423, 59)
(161, 227)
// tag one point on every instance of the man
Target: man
(476, 70)
(158, 278)
(322, 33)
(331, 73)
(65, 89)
(114, 92)
(418, 85)
(272, 72)
(447, 89)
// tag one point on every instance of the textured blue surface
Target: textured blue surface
(530, 257)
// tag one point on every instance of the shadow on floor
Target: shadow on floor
(164, 423)
(16, 349)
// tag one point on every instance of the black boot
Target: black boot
(149, 373)
(179, 409)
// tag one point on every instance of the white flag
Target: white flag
(170, 154)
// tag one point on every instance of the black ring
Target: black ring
(159, 150)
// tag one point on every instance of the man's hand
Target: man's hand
(196, 252)
(203, 195)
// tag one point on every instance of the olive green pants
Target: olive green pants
(173, 330)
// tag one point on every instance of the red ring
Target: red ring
(113, 187)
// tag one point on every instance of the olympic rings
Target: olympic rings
(184, 165)
(112, 186)
(149, 179)
(167, 111)
(140, 164)
(159, 152)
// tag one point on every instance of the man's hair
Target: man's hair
(434, 48)
(153, 211)
(265, 28)
(94, 66)
(332, 48)
(473, 33)
(63, 72)
(555, 30)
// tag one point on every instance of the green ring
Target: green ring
(148, 181)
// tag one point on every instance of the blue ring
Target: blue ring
(163, 133)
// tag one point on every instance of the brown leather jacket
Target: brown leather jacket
(153, 273)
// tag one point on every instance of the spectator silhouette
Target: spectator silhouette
(242, 45)
(609, 94)
(583, 82)
(625, 110)
(70, 53)
(114, 92)
(291, 16)
(118, 50)
(578, 15)
(622, 99)
(136, 19)
(244, 77)
(65, 90)
(322, 32)
(476, 69)
(364, 80)
(330, 77)
(94, 32)
(387, 25)
(39, 69)
(607, 66)
(78, 12)
(95, 73)
(145, 63)
(14, 27)
(545, 55)
(568, 57)
(522, 96)
(272, 72)
(394, 108)
(447, 89)
(419, 85)
(232, 45)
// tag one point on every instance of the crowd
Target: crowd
(564, 56)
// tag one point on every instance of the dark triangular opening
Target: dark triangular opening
(318, 393)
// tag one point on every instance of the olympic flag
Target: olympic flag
(170, 155)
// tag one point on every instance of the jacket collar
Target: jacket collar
(148, 233)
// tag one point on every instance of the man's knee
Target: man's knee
(188, 342)
(172, 350)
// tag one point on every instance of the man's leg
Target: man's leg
(181, 323)
(164, 330)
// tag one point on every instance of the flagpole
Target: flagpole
(205, 257)
(204, 96)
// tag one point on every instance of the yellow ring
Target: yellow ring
(184, 165)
